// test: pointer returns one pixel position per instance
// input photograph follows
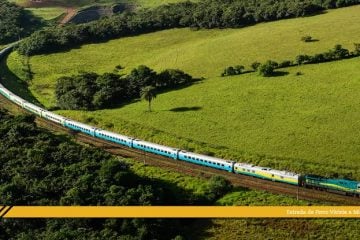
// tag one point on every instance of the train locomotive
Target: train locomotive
(342, 186)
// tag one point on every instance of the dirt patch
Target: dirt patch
(70, 13)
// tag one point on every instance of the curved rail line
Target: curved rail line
(194, 169)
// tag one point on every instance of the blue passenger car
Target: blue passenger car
(155, 148)
(206, 161)
(113, 137)
(80, 127)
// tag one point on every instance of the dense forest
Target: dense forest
(203, 14)
(90, 91)
(39, 168)
(15, 22)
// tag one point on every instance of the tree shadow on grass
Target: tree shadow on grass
(279, 74)
(185, 109)
(15, 84)
(312, 40)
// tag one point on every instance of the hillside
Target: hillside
(201, 53)
(288, 122)
(303, 121)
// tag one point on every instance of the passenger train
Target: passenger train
(337, 185)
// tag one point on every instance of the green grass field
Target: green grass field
(47, 13)
(200, 53)
(244, 229)
(289, 122)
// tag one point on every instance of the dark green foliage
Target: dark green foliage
(285, 63)
(357, 48)
(300, 59)
(139, 78)
(15, 22)
(10, 21)
(203, 14)
(217, 187)
(337, 53)
(267, 69)
(76, 92)
(255, 65)
(230, 71)
(38, 168)
(90, 91)
(171, 78)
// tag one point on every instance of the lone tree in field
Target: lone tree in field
(148, 93)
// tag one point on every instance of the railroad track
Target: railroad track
(193, 169)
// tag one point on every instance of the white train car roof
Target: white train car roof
(208, 158)
(154, 145)
(13, 96)
(79, 124)
(33, 106)
(112, 134)
(54, 115)
(284, 173)
(4, 89)
(267, 169)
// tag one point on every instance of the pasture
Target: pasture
(203, 53)
(307, 123)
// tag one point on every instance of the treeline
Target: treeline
(90, 91)
(15, 22)
(267, 69)
(203, 14)
(39, 168)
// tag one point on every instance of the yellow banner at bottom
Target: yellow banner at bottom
(180, 212)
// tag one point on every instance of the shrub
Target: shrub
(357, 48)
(255, 65)
(306, 38)
(267, 69)
(285, 63)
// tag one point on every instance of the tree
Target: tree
(139, 78)
(267, 69)
(301, 59)
(217, 186)
(239, 69)
(306, 38)
(148, 93)
(255, 65)
(357, 48)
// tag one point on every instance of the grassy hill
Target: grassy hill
(201, 53)
(311, 119)
(288, 122)
(51, 9)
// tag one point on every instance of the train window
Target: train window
(272, 175)
(248, 170)
(281, 177)
(253, 171)
(243, 169)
